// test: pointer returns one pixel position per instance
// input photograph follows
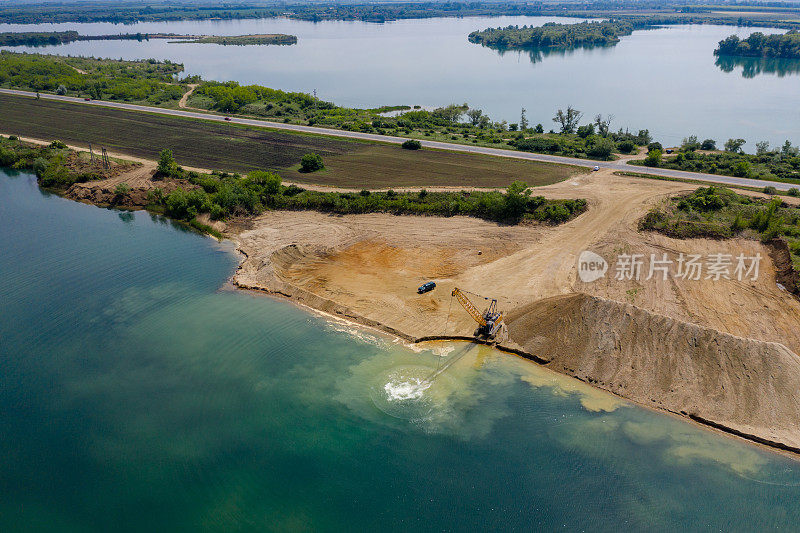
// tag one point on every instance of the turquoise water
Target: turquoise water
(138, 393)
(665, 80)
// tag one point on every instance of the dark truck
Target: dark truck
(426, 287)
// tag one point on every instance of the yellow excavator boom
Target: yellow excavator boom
(469, 307)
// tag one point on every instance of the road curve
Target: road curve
(500, 152)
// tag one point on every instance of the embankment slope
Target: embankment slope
(744, 385)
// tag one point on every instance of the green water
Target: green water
(138, 393)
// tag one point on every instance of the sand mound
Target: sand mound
(744, 385)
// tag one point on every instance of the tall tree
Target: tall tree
(603, 124)
(568, 119)
(523, 120)
(734, 145)
(475, 116)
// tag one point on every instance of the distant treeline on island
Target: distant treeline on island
(786, 46)
(63, 37)
(555, 35)
(58, 37)
(241, 40)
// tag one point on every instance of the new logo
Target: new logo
(591, 266)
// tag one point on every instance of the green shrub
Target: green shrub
(216, 212)
(167, 167)
(269, 182)
(794, 191)
(177, 205)
(585, 131)
(741, 169)
(292, 190)
(412, 144)
(58, 145)
(738, 224)
(40, 165)
(311, 162)
(769, 189)
(155, 196)
(122, 189)
(538, 144)
(708, 144)
(601, 148)
(626, 146)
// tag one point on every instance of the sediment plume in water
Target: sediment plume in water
(414, 388)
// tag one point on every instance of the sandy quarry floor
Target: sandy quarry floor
(372, 264)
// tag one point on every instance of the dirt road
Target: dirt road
(186, 95)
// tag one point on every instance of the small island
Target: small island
(785, 46)
(554, 35)
(243, 40)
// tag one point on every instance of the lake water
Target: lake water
(137, 393)
(665, 80)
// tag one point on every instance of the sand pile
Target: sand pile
(745, 385)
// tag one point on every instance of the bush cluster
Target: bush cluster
(48, 162)
(148, 81)
(583, 144)
(778, 164)
(718, 212)
(222, 195)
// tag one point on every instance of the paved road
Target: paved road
(500, 152)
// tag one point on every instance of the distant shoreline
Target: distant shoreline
(64, 37)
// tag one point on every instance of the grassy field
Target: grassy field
(233, 148)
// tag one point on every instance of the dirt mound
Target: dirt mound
(744, 385)
(139, 180)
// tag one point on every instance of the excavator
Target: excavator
(490, 322)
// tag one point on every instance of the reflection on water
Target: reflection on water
(753, 66)
(538, 54)
(136, 395)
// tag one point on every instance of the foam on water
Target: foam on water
(412, 389)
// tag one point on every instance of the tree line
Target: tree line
(672, 11)
(719, 213)
(786, 46)
(49, 38)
